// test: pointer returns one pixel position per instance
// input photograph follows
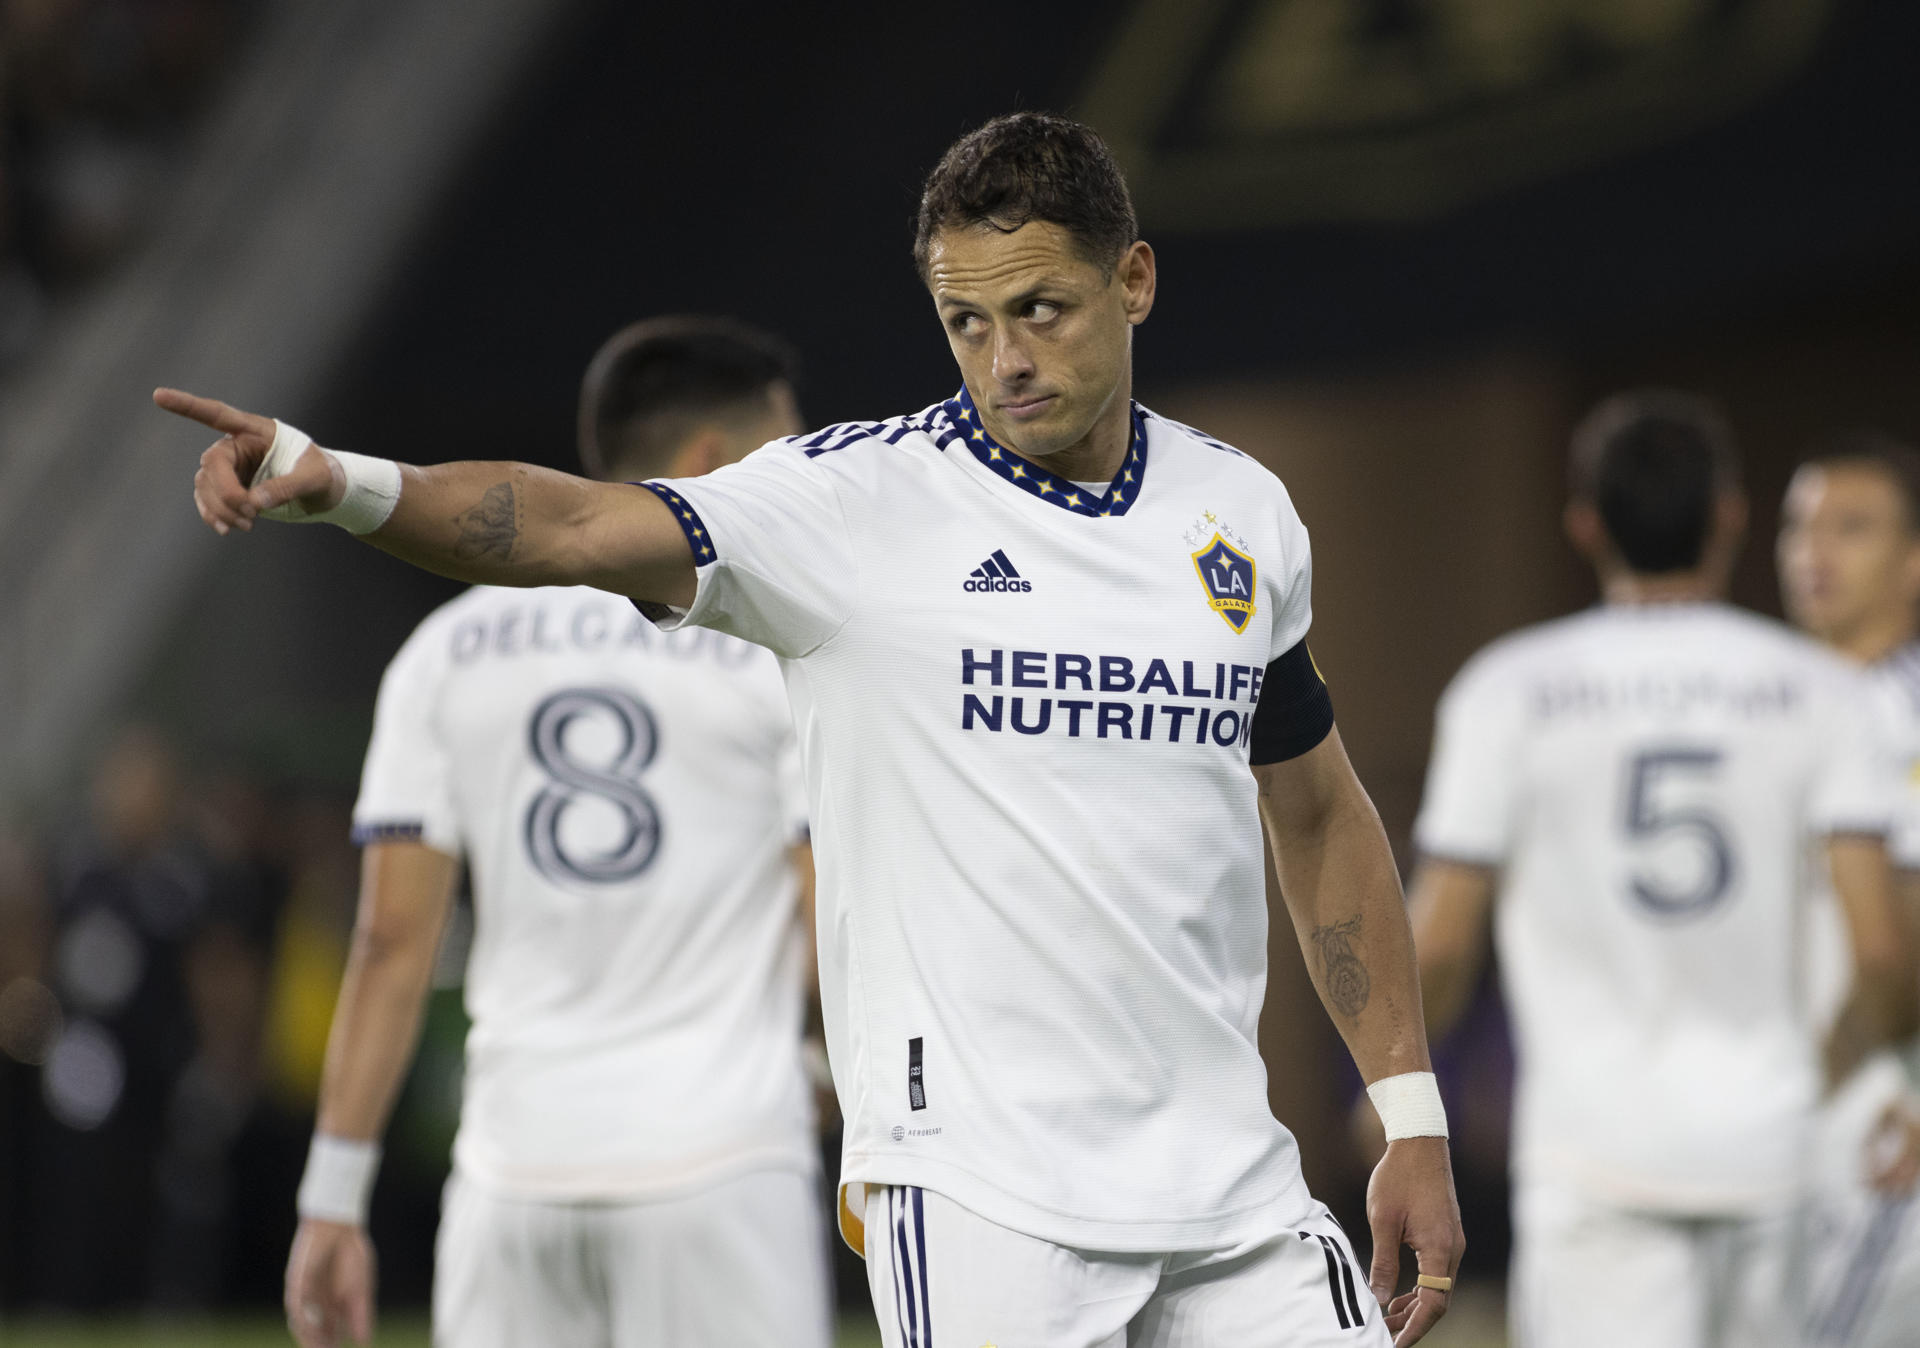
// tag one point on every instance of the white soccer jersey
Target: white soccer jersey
(1894, 701)
(1651, 780)
(625, 800)
(1023, 709)
(1896, 684)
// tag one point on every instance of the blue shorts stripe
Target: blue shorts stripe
(1864, 1270)
(906, 1269)
(920, 1244)
(893, 1257)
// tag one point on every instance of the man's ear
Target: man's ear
(1910, 574)
(1585, 530)
(1138, 278)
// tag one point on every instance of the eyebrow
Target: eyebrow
(1040, 289)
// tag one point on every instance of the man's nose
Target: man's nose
(1011, 363)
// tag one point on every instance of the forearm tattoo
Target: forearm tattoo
(489, 528)
(1348, 985)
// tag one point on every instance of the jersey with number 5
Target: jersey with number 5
(625, 800)
(1652, 783)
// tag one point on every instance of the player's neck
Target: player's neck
(1875, 639)
(1684, 587)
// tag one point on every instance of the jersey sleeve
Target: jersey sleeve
(1472, 791)
(1857, 783)
(406, 785)
(771, 550)
(1292, 581)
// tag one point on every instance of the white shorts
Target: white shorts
(1864, 1247)
(1587, 1275)
(944, 1278)
(739, 1265)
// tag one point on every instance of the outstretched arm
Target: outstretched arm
(406, 891)
(1343, 894)
(488, 523)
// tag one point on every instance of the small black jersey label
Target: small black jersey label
(916, 1083)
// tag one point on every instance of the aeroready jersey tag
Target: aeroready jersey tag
(916, 1088)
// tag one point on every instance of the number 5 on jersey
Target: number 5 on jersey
(1652, 819)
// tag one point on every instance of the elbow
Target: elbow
(381, 946)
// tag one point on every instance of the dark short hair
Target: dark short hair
(1878, 452)
(1653, 462)
(1030, 166)
(650, 381)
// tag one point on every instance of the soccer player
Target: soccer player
(1849, 560)
(1627, 797)
(1033, 635)
(635, 1162)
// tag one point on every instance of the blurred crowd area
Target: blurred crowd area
(170, 948)
(95, 99)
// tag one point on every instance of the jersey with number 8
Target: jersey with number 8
(624, 799)
(1652, 783)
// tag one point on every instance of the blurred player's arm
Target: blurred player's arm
(487, 523)
(819, 1072)
(1450, 907)
(406, 892)
(1342, 892)
(1883, 1005)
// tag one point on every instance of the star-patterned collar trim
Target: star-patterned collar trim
(1049, 486)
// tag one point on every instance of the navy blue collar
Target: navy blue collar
(1048, 486)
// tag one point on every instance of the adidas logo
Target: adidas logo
(995, 575)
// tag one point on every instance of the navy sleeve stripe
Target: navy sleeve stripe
(695, 528)
(389, 830)
(1295, 712)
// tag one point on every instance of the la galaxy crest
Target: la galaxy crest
(1226, 569)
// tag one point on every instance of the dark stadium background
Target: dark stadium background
(1397, 280)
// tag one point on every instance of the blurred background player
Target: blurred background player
(635, 1162)
(1637, 785)
(1849, 561)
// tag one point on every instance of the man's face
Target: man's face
(1847, 554)
(1042, 334)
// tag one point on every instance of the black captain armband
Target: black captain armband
(1295, 712)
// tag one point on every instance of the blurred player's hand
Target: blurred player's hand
(330, 1277)
(1893, 1148)
(220, 488)
(1410, 1201)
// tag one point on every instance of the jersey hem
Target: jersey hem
(1257, 1221)
(630, 1184)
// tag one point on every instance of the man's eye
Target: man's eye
(967, 325)
(1043, 311)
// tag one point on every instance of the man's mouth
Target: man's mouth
(1023, 409)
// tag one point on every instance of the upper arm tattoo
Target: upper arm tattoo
(490, 527)
(1348, 984)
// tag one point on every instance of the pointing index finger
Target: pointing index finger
(208, 412)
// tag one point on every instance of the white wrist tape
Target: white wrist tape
(339, 1179)
(373, 485)
(1409, 1105)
